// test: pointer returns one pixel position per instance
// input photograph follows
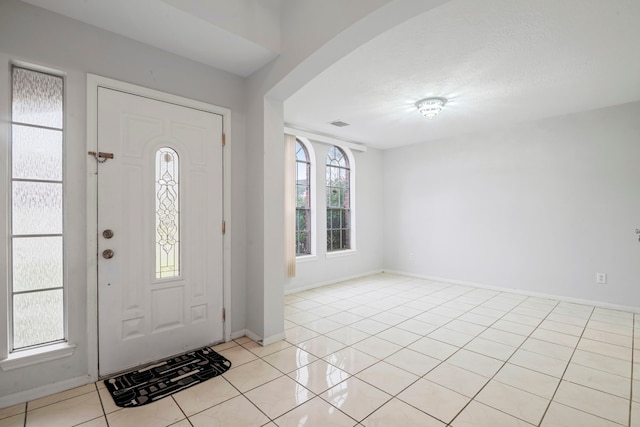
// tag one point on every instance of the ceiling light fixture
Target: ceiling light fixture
(431, 107)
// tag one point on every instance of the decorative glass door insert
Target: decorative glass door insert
(167, 213)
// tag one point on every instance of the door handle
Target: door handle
(108, 254)
(101, 157)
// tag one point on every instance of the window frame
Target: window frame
(49, 350)
(349, 201)
(309, 199)
(313, 201)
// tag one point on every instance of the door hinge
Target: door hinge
(224, 139)
(224, 226)
(224, 314)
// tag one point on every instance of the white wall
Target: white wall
(36, 36)
(537, 207)
(367, 257)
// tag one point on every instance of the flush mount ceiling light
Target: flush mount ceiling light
(431, 107)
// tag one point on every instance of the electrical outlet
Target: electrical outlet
(411, 256)
(601, 278)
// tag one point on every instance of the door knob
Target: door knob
(108, 254)
(107, 234)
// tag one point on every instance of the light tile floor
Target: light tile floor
(387, 351)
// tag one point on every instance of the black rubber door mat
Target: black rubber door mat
(162, 379)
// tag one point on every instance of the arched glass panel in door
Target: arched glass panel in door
(167, 170)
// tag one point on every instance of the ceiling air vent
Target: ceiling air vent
(339, 123)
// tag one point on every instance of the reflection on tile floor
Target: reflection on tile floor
(389, 350)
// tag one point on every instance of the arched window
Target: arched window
(167, 213)
(303, 200)
(338, 200)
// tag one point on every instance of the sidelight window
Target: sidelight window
(37, 209)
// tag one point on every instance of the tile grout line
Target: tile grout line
(287, 376)
(104, 413)
(26, 409)
(538, 326)
(633, 353)
(485, 328)
(565, 369)
(504, 362)
(272, 420)
(475, 336)
(402, 347)
(173, 397)
(426, 336)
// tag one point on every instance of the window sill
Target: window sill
(305, 258)
(22, 359)
(338, 254)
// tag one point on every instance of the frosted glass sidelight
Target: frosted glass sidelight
(37, 258)
(37, 98)
(38, 318)
(37, 263)
(36, 153)
(37, 208)
(167, 213)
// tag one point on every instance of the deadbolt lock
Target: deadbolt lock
(108, 254)
(107, 234)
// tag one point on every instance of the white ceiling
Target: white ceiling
(238, 36)
(497, 61)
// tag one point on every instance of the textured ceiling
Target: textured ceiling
(497, 61)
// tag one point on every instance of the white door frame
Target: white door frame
(93, 82)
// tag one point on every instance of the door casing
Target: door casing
(93, 83)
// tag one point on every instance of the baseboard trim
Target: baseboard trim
(252, 336)
(43, 391)
(257, 338)
(246, 333)
(599, 304)
(273, 339)
(293, 290)
(238, 334)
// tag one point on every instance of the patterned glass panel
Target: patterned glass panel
(37, 208)
(37, 267)
(167, 213)
(37, 318)
(37, 263)
(37, 98)
(36, 153)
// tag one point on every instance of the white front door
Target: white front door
(160, 242)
